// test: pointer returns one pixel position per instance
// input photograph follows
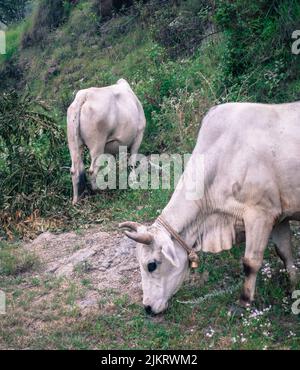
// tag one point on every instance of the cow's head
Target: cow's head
(163, 264)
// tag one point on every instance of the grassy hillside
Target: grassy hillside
(181, 57)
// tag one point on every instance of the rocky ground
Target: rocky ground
(107, 259)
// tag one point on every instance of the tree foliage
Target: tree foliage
(12, 11)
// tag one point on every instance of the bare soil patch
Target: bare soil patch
(107, 259)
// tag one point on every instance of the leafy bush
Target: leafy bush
(10, 73)
(106, 8)
(32, 151)
(257, 54)
(181, 33)
(12, 11)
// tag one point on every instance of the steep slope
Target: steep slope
(181, 57)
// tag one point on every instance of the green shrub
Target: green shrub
(181, 33)
(32, 152)
(12, 11)
(257, 54)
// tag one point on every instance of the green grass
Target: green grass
(50, 305)
(13, 38)
(15, 260)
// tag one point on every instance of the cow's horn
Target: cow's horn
(143, 238)
(130, 225)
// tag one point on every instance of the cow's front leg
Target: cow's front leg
(258, 227)
(281, 236)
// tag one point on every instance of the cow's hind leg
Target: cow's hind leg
(281, 236)
(95, 152)
(135, 148)
(258, 227)
(77, 173)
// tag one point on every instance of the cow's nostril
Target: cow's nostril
(148, 310)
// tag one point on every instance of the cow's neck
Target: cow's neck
(193, 217)
(182, 210)
(180, 214)
(181, 217)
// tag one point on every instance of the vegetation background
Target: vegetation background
(181, 57)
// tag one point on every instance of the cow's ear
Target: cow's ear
(169, 251)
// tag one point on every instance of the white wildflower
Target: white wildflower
(210, 333)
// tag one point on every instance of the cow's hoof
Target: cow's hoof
(244, 303)
(236, 310)
(245, 299)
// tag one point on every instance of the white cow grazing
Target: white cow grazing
(103, 119)
(251, 156)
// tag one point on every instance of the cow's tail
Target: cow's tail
(73, 122)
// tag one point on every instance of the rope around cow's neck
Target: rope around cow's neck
(192, 255)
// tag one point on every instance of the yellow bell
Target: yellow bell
(194, 264)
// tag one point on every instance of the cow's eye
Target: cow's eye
(152, 266)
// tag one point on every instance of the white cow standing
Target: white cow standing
(103, 119)
(251, 155)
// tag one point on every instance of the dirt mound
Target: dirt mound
(107, 259)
